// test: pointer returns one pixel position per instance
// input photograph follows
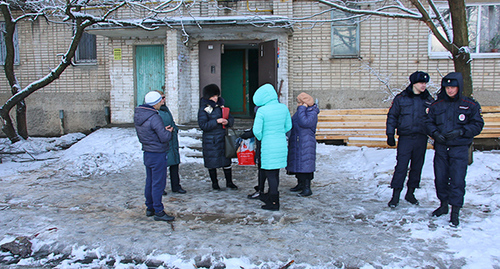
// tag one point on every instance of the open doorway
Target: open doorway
(238, 68)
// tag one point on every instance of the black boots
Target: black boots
(299, 187)
(455, 211)
(213, 177)
(229, 179)
(306, 191)
(410, 197)
(162, 216)
(395, 197)
(441, 210)
(272, 202)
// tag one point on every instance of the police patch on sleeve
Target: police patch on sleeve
(461, 117)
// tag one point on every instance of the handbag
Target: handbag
(230, 145)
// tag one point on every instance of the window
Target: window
(484, 32)
(3, 50)
(344, 35)
(86, 52)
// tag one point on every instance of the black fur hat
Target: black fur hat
(210, 90)
(419, 76)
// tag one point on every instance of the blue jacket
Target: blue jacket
(213, 133)
(408, 113)
(447, 114)
(150, 129)
(302, 140)
(270, 126)
(173, 156)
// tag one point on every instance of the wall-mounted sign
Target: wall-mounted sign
(117, 53)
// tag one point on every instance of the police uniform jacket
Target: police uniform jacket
(408, 113)
(447, 114)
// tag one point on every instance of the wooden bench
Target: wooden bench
(366, 126)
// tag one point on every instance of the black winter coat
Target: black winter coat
(408, 113)
(150, 129)
(462, 113)
(213, 133)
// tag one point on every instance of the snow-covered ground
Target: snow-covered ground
(83, 207)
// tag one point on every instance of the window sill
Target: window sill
(445, 55)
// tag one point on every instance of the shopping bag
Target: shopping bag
(246, 152)
(230, 145)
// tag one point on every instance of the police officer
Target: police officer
(407, 114)
(453, 121)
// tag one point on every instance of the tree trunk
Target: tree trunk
(460, 50)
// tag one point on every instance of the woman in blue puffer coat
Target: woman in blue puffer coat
(212, 124)
(302, 144)
(270, 126)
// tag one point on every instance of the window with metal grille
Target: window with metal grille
(87, 50)
(344, 35)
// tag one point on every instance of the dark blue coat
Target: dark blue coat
(408, 113)
(150, 129)
(173, 156)
(213, 133)
(302, 140)
(447, 114)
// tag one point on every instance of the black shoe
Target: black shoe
(215, 186)
(297, 188)
(180, 190)
(231, 186)
(455, 211)
(411, 199)
(272, 203)
(305, 192)
(395, 198)
(254, 195)
(150, 213)
(163, 217)
(441, 210)
(164, 193)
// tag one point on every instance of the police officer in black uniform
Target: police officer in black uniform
(453, 121)
(407, 114)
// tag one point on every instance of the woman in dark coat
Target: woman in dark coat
(173, 156)
(302, 144)
(212, 124)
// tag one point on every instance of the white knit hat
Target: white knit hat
(152, 98)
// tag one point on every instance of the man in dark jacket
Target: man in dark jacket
(154, 137)
(407, 114)
(453, 121)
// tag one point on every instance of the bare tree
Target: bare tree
(73, 13)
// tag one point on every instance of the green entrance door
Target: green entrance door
(149, 70)
(233, 81)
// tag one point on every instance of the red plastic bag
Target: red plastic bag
(246, 152)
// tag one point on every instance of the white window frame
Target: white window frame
(474, 55)
(3, 52)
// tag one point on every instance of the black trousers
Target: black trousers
(174, 177)
(410, 148)
(273, 179)
(450, 169)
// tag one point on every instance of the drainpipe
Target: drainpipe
(61, 117)
(107, 113)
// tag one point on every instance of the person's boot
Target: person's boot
(395, 197)
(441, 210)
(273, 203)
(455, 211)
(299, 187)
(229, 179)
(162, 216)
(306, 191)
(213, 177)
(410, 196)
(256, 194)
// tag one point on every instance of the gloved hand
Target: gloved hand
(438, 137)
(391, 141)
(454, 134)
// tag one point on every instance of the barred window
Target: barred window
(87, 49)
(3, 49)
